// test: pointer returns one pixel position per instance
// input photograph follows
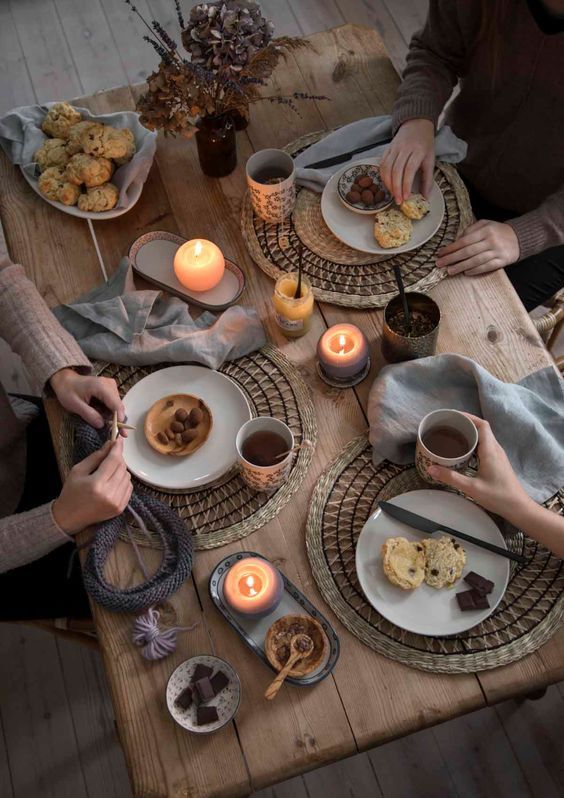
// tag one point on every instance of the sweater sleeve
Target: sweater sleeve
(25, 537)
(32, 331)
(436, 59)
(541, 228)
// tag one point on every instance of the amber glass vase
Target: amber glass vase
(217, 145)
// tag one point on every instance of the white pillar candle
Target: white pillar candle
(342, 351)
(199, 264)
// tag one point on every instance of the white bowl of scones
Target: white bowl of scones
(86, 165)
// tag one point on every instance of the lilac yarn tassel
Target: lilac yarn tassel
(156, 643)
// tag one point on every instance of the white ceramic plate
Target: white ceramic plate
(357, 230)
(226, 703)
(425, 610)
(229, 409)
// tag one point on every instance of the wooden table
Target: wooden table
(368, 699)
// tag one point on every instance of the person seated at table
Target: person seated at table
(509, 58)
(497, 489)
(38, 516)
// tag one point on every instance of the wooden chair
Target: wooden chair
(552, 324)
(77, 630)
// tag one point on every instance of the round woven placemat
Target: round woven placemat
(346, 494)
(228, 510)
(341, 275)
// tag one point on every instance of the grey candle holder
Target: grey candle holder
(397, 347)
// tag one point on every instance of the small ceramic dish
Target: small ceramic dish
(279, 636)
(354, 181)
(163, 413)
(227, 702)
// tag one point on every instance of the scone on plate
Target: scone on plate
(53, 152)
(392, 228)
(76, 133)
(59, 120)
(445, 560)
(101, 198)
(108, 142)
(415, 207)
(89, 170)
(55, 186)
(403, 562)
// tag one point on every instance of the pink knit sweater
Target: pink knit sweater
(32, 331)
(513, 125)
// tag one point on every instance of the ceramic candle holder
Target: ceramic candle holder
(253, 587)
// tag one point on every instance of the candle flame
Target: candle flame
(250, 584)
(198, 248)
(342, 342)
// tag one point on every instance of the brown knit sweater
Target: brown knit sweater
(32, 331)
(514, 126)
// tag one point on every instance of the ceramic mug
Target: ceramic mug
(274, 200)
(453, 419)
(265, 478)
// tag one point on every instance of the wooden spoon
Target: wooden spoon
(300, 647)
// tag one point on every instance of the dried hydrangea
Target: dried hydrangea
(226, 34)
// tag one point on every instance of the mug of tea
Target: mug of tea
(265, 450)
(271, 178)
(445, 438)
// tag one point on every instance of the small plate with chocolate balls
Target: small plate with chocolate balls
(361, 189)
(203, 694)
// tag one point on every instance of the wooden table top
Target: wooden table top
(368, 699)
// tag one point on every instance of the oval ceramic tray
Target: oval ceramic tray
(152, 257)
(253, 630)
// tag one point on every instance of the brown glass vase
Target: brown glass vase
(217, 145)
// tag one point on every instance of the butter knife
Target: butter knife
(345, 156)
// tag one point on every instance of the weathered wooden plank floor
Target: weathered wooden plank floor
(57, 735)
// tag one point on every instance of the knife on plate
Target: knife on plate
(345, 156)
(426, 525)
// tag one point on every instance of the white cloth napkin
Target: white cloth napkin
(448, 147)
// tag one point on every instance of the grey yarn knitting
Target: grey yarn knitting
(175, 537)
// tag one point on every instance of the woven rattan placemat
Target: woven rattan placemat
(346, 494)
(228, 510)
(339, 274)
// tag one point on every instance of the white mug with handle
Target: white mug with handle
(457, 432)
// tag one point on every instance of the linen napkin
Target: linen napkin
(527, 418)
(134, 328)
(448, 147)
(21, 136)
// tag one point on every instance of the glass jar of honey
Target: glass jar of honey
(292, 313)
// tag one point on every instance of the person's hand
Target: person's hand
(76, 391)
(412, 148)
(483, 247)
(96, 489)
(496, 486)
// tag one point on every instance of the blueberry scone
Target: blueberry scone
(445, 560)
(100, 198)
(403, 562)
(108, 142)
(53, 152)
(59, 120)
(89, 170)
(55, 186)
(415, 207)
(392, 228)
(76, 134)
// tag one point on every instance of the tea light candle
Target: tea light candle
(199, 264)
(253, 587)
(342, 352)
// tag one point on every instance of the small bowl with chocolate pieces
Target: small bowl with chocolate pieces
(203, 694)
(178, 425)
(362, 190)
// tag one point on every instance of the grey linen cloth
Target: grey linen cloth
(448, 147)
(21, 136)
(527, 418)
(134, 328)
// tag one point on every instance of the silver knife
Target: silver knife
(426, 525)
(345, 156)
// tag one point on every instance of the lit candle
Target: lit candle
(293, 314)
(253, 587)
(342, 352)
(199, 264)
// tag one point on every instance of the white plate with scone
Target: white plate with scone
(413, 596)
(358, 230)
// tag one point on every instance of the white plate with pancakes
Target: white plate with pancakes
(229, 410)
(357, 230)
(427, 610)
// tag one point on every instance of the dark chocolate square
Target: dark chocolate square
(206, 715)
(201, 671)
(219, 682)
(480, 600)
(479, 583)
(466, 600)
(184, 699)
(204, 689)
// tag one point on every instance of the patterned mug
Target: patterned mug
(451, 420)
(271, 178)
(265, 478)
